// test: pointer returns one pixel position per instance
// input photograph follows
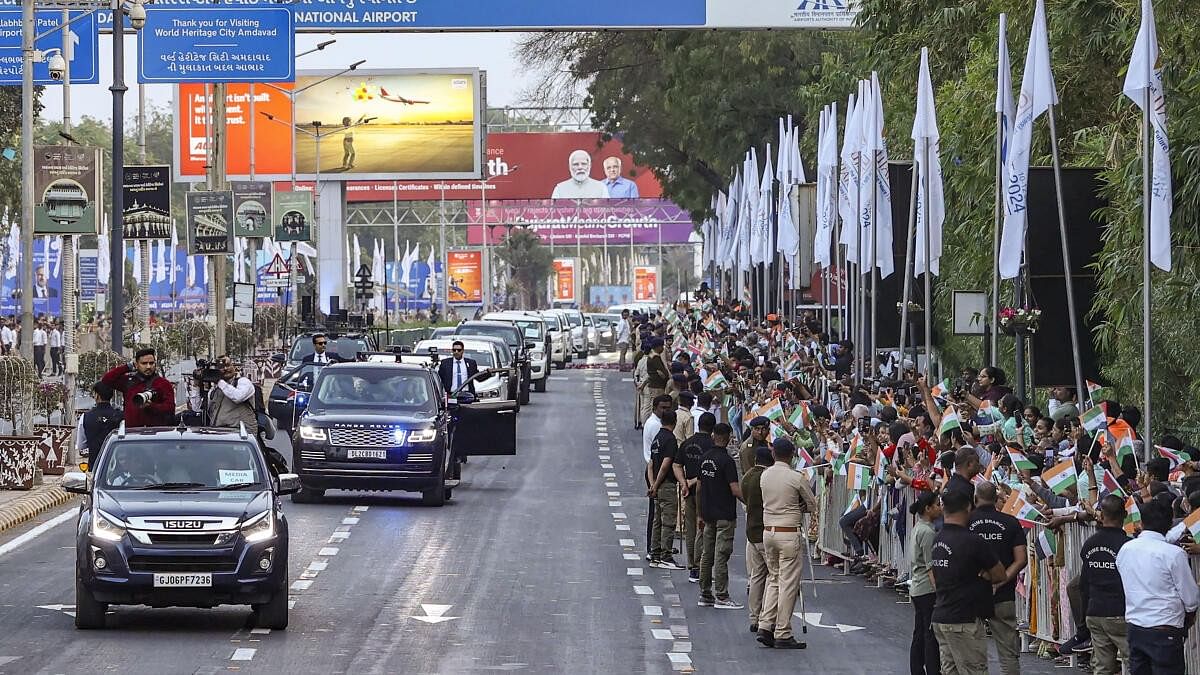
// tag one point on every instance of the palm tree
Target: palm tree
(529, 261)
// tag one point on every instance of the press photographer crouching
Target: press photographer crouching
(219, 396)
(149, 397)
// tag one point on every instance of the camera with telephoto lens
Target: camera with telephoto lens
(143, 398)
(207, 372)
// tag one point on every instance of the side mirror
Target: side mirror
(289, 483)
(279, 358)
(75, 482)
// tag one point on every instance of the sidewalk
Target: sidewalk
(18, 506)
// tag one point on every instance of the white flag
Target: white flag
(432, 277)
(788, 235)
(748, 208)
(760, 242)
(931, 207)
(1004, 96)
(137, 262)
(885, 258)
(848, 183)
(1037, 95)
(103, 251)
(1145, 73)
(827, 199)
(729, 224)
(866, 175)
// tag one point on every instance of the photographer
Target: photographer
(225, 397)
(149, 397)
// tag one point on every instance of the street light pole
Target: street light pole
(27, 192)
(116, 250)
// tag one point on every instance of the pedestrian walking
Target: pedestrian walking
(964, 569)
(623, 335)
(664, 475)
(8, 337)
(923, 657)
(786, 497)
(56, 349)
(1005, 537)
(756, 561)
(692, 451)
(1101, 591)
(1161, 597)
(40, 341)
(718, 495)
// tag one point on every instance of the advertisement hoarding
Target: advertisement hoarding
(272, 130)
(564, 281)
(147, 203)
(66, 185)
(592, 222)
(252, 208)
(210, 222)
(293, 216)
(464, 277)
(645, 283)
(47, 279)
(389, 124)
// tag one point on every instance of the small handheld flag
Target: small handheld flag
(1020, 508)
(1047, 544)
(1093, 419)
(1192, 523)
(1171, 456)
(1133, 516)
(1061, 476)
(1020, 461)
(715, 380)
(950, 421)
(858, 476)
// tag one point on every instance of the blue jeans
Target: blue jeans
(1156, 652)
(847, 524)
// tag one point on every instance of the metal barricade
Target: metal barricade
(834, 498)
(895, 522)
(1046, 606)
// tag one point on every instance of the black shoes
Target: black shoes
(790, 643)
(767, 637)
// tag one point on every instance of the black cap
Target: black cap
(760, 421)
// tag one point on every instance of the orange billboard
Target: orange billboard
(645, 284)
(564, 280)
(464, 277)
(272, 115)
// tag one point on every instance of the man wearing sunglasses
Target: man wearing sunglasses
(319, 355)
(458, 370)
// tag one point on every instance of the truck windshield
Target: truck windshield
(374, 389)
(180, 464)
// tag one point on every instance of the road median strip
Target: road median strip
(36, 501)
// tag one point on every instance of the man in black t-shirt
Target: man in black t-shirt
(1006, 539)
(1100, 589)
(964, 569)
(966, 467)
(664, 477)
(718, 495)
(692, 450)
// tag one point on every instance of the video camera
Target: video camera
(208, 372)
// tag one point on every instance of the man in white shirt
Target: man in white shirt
(8, 338)
(650, 428)
(623, 337)
(40, 339)
(1161, 596)
(56, 349)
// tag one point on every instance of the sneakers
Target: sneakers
(694, 575)
(727, 603)
(706, 601)
(1074, 646)
(667, 563)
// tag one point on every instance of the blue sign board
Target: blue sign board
(222, 44)
(85, 56)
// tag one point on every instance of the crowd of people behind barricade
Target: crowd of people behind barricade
(980, 491)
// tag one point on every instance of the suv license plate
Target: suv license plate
(163, 580)
(359, 453)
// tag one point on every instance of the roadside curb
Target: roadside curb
(40, 499)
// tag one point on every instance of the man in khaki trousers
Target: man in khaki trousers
(756, 561)
(786, 497)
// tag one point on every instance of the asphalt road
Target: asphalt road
(529, 568)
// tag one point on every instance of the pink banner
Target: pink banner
(590, 222)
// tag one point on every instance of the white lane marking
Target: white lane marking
(611, 484)
(661, 634)
(643, 590)
(603, 458)
(614, 503)
(435, 614)
(560, 377)
(350, 521)
(38, 531)
(614, 493)
(302, 585)
(623, 528)
(318, 566)
(609, 474)
(602, 434)
(626, 542)
(627, 379)
(360, 509)
(619, 515)
(260, 631)
(651, 610)
(242, 654)
(605, 465)
(634, 571)
(328, 551)
(69, 610)
(814, 619)
(632, 556)
(682, 646)
(338, 537)
(678, 659)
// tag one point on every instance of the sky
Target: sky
(492, 52)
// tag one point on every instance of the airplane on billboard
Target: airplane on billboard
(364, 92)
(397, 98)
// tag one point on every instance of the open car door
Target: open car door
(485, 428)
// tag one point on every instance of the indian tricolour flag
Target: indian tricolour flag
(792, 363)
(941, 389)
(800, 417)
(1171, 456)
(1020, 508)
(1061, 476)
(1093, 419)
(993, 412)
(772, 410)
(1133, 516)
(777, 433)
(1192, 522)
(881, 464)
(1092, 388)
(715, 380)
(1109, 485)
(1047, 544)
(1020, 461)
(950, 421)
(858, 476)
(803, 459)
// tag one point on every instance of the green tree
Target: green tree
(530, 262)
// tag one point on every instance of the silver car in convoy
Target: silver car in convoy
(534, 329)
(593, 335)
(486, 354)
(560, 338)
(574, 319)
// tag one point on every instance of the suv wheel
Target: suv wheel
(274, 614)
(308, 495)
(540, 385)
(88, 613)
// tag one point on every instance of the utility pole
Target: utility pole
(116, 284)
(70, 288)
(218, 183)
(27, 192)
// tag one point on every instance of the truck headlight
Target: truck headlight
(106, 526)
(259, 528)
(310, 433)
(422, 435)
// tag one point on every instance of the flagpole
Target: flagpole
(1066, 252)
(908, 261)
(927, 165)
(1147, 189)
(998, 219)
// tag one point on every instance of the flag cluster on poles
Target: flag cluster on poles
(931, 202)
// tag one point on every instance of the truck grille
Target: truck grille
(144, 563)
(312, 455)
(172, 539)
(363, 438)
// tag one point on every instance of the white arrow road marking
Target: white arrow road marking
(814, 619)
(435, 614)
(69, 610)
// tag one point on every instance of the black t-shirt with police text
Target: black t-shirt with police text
(959, 555)
(662, 448)
(692, 450)
(1099, 581)
(717, 471)
(1002, 533)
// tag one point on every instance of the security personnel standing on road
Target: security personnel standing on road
(786, 497)
(1100, 589)
(1006, 539)
(97, 423)
(964, 570)
(719, 491)
(759, 428)
(657, 372)
(692, 450)
(665, 474)
(756, 562)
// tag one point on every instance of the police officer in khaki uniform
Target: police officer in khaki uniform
(759, 428)
(786, 497)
